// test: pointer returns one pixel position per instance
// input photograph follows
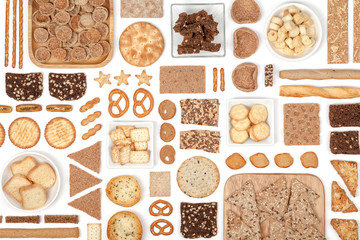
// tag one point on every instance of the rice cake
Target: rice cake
(67, 87)
(344, 115)
(344, 142)
(208, 141)
(141, 44)
(60, 133)
(141, 9)
(198, 177)
(182, 79)
(24, 87)
(24, 133)
(200, 111)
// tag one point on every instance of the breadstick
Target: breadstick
(21, 40)
(90, 118)
(28, 108)
(222, 79)
(91, 132)
(39, 233)
(320, 74)
(89, 104)
(7, 23)
(14, 34)
(215, 79)
(325, 92)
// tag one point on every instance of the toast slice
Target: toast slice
(346, 229)
(94, 231)
(24, 166)
(89, 157)
(42, 174)
(348, 171)
(81, 180)
(340, 202)
(89, 204)
(33, 196)
(13, 186)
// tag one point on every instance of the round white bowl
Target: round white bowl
(51, 193)
(308, 51)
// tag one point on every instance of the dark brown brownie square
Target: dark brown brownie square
(344, 115)
(344, 142)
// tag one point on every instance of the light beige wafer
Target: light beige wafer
(60, 133)
(356, 33)
(24, 132)
(2, 135)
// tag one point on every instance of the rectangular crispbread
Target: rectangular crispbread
(117, 134)
(141, 146)
(124, 154)
(160, 184)
(126, 129)
(344, 142)
(141, 8)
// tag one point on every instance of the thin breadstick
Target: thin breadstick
(7, 23)
(222, 79)
(319, 74)
(14, 34)
(21, 40)
(325, 92)
(215, 79)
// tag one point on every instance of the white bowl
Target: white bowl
(308, 51)
(109, 144)
(269, 104)
(51, 193)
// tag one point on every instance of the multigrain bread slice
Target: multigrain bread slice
(340, 202)
(42, 174)
(33, 196)
(124, 225)
(81, 180)
(346, 229)
(348, 171)
(24, 166)
(89, 157)
(94, 231)
(13, 186)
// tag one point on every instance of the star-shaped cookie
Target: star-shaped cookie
(144, 78)
(122, 78)
(103, 79)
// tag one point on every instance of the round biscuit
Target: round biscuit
(238, 136)
(24, 132)
(284, 160)
(259, 160)
(60, 133)
(309, 160)
(258, 113)
(260, 131)
(241, 125)
(124, 225)
(239, 112)
(118, 191)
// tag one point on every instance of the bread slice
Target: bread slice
(348, 171)
(125, 155)
(346, 229)
(140, 135)
(139, 156)
(33, 196)
(124, 225)
(340, 201)
(13, 186)
(43, 174)
(24, 166)
(94, 231)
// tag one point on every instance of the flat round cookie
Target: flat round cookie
(51, 27)
(86, 20)
(75, 23)
(106, 47)
(83, 39)
(59, 53)
(141, 44)
(60, 133)
(97, 3)
(198, 177)
(2, 135)
(81, 2)
(40, 19)
(61, 4)
(124, 225)
(124, 191)
(88, 8)
(63, 33)
(79, 54)
(62, 18)
(53, 43)
(100, 14)
(24, 132)
(47, 9)
(41, 35)
(68, 57)
(103, 29)
(75, 11)
(42, 54)
(96, 50)
(93, 35)
(72, 41)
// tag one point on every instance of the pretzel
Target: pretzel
(140, 103)
(14, 34)
(91, 132)
(59, 108)
(215, 77)
(161, 210)
(116, 103)
(7, 23)
(21, 21)
(90, 118)
(90, 104)
(222, 79)
(162, 229)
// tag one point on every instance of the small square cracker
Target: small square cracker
(160, 184)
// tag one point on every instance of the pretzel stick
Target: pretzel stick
(14, 34)
(7, 19)
(215, 79)
(325, 92)
(21, 22)
(222, 79)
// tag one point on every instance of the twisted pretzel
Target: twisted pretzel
(161, 210)
(116, 103)
(140, 103)
(162, 229)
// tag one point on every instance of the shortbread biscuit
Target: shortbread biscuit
(24, 132)
(239, 112)
(260, 131)
(258, 113)
(309, 160)
(238, 136)
(60, 133)
(241, 125)
(124, 191)
(259, 160)
(284, 160)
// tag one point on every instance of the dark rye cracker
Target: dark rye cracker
(89, 204)
(22, 219)
(67, 87)
(182, 79)
(345, 115)
(89, 157)
(24, 87)
(200, 111)
(61, 219)
(198, 220)
(208, 141)
(81, 180)
(344, 142)
(141, 9)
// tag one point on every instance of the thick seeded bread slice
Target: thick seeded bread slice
(43, 174)
(124, 226)
(13, 186)
(124, 191)
(24, 166)
(33, 196)
(94, 231)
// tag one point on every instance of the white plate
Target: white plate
(308, 51)
(51, 193)
(269, 104)
(112, 126)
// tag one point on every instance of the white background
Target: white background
(261, 58)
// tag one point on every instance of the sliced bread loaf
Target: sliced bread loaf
(13, 186)
(24, 166)
(33, 196)
(42, 174)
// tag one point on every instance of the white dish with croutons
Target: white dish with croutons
(293, 31)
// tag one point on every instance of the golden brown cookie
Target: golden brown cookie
(238, 136)
(167, 154)
(258, 114)
(259, 132)
(2, 135)
(259, 160)
(24, 132)
(309, 160)
(241, 125)
(167, 109)
(60, 133)
(235, 161)
(239, 112)
(167, 132)
(284, 160)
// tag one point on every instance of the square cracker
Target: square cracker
(301, 124)
(117, 134)
(126, 129)
(141, 8)
(94, 231)
(160, 184)
(140, 135)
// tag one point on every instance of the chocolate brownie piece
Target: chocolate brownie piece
(344, 115)
(67, 87)
(200, 111)
(344, 142)
(208, 141)
(199, 220)
(62, 219)
(22, 219)
(24, 87)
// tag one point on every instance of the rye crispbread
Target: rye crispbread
(89, 157)
(81, 180)
(22, 219)
(141, 8)
(61, 219)
(89, 204)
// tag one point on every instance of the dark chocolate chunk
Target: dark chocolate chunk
(344, 115)
(24, 87)
(67, 87)
(344, 142)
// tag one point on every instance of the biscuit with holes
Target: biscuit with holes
(24, 133)
(60, 133)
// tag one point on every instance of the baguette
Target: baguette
(320, 74)
(325, 92)
(39, 233)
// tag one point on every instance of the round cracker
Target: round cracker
(96, 50)
(2, 135)
(63, 33)
(127, 186)
(62, 18)
(40, 19)
(72, 41)
(88, 8)
(41, 35)
(260, 131)
(42, 54)
(79, 54)
(103, 29)
(86, 20)
(100, 14)
(97, 3)
(258, 114)
(59, 53)
(24, 132)
(115, 228)
(53, 43)
(238, 136)
(241, 125)
(61, 4)
(75, 11)
(141, 44)
(93, 35)
(75, 23)
(239, 112)
(47, 9)
(60, 133)
(106, 47)
(198, 177)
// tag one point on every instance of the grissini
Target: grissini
(325, 92)
(7, 24)
(39, 233)
(14, 34)
(21, 34)
(319, 74)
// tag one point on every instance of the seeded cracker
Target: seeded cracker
(67, 87)
(89, 203)
(236, 229)
(302, 214)
(81, 180)
(200, 111)
(348, 171)
(24, 87)
(208, 141)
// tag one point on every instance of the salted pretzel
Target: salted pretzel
(140, 103)
(215, 78)
(222, 79)
(162, 229)
(116, 103)
(160, 210)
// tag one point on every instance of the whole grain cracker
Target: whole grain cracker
(89, 204)
(160, 184)
(89, 157)
(81, 180)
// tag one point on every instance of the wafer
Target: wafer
(24, 132)
(60, 133)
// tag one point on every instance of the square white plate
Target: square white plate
(269, 104)
(109, 144)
